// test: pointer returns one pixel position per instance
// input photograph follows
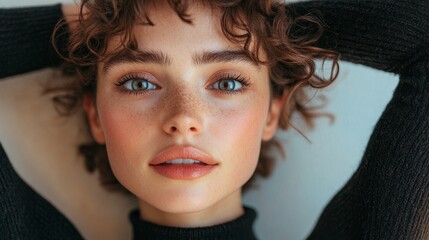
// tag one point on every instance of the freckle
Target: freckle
(187, 102)
(153, 110)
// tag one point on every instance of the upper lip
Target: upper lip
(180, 152)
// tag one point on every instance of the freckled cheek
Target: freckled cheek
(127, 130)
(239, 133)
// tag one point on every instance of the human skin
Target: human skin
(71, 14)
(183, 107)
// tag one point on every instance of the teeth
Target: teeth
(182, 161)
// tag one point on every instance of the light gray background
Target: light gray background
(289, 202)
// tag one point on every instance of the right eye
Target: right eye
(230, 85)
(138, 84)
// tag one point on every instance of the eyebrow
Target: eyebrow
(222, 57)
(125, 56)
(207, 57)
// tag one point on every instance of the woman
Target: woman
(360, 206)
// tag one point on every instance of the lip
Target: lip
(183, 171)
(177, 152)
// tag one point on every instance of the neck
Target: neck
(223, 211)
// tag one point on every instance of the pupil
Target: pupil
(228, 85)
(138, 85)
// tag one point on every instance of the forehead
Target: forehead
(170, 33)
(171, 41)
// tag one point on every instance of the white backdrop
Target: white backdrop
(289, 202)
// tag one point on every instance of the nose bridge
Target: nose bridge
(183, 111)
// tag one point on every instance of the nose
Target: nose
(184, 114)
(182, 125)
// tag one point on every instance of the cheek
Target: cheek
(238, 135)
(127, 134)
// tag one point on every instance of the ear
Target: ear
(94, 123)
(272, 118)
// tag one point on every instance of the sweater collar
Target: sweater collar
(240, 228)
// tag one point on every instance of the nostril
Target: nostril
(175, 130)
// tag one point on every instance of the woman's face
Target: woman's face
(191, 94)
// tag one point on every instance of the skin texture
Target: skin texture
(71, 14)
(183, 109)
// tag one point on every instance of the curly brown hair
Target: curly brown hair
(268, 25)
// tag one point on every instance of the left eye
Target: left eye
(227, 85)
(138, 85)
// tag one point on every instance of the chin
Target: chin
(190, 201)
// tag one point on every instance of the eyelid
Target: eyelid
(149, 78)
(132, 76)
(235, 76)
(228, 74)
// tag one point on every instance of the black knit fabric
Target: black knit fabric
(386, 198)
(383, 34)
(26, 215)
(25, 39)
(240, 228)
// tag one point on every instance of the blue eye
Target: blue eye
(228, 85)
(138, 85)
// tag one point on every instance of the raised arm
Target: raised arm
(388, 195)
(25, 37)
(388, 35)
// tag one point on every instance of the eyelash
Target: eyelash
(236, 77)
(131, 77)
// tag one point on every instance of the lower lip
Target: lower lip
(183, 171)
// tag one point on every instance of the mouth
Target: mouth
(184, 163)
(182, 155)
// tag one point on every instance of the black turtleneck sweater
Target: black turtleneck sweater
(240, 228)
(386, 198)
